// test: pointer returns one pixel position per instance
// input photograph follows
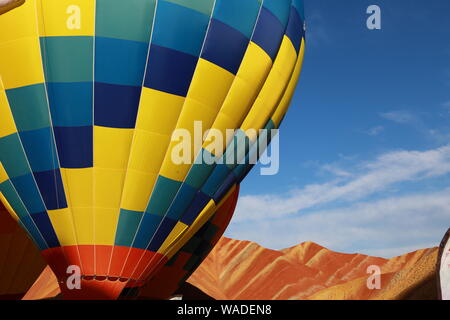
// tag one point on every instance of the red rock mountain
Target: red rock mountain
(244, 270)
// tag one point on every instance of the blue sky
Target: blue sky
(365, 147)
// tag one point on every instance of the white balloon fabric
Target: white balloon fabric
(444, 267)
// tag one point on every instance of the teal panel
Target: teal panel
(68, 59)
(161, 198)
(14, 201)
(13, 157)
(29, 107)
(280, 8)
(239, 14)
(127, 20)
(179, 28)
(203, 6)
(126, 229)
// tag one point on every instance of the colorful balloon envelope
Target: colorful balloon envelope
(91, 95)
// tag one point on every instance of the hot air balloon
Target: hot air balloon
(443, 268)
(92, 94)
(175, 272)
(20, 260)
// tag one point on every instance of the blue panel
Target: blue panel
(181, 66)
(269, 33)
(242, 170)
(29, 107)
(279, 8)
(165, 190)
(181, 201)
(44, 225)
(197, 205)
(13, 157)
(40, 149)
(239, 14)
(29, 225)
(295, 29)
(29, 193)
(225, 187)
(225, 46)
(120, 61)
(126, 228)
(299, 5)
(71, 103)
(149, 224)
(116, 106)
(75, 146)
(52, 189)
(215, 180)
(179, 28)
(161, 234)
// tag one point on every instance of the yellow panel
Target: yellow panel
(79, 186)
(286, 100)
(19, 23)
(105, 225)
(148, 151)
(235, 108)
(67, 17)
(210, 84)
(192, 111)
(158, 111)
(20, 63)
(137, 190)
(8, 207)
(272, 90)
(8, 125)
(3, 174)
(256, 65)
(84, 225)
(222, 123)
(112, 147)
(252, 73)
(108, 187)
(64, 227)
(175, 235)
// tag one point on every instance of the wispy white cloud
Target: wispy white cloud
(364, 180)
(446, 106)
(400, 116)
(436, 134)
(387, 227)
(375, 131)
(380, 227)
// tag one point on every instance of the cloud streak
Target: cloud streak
(344, 214)
(365, 180)
(386, 227)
